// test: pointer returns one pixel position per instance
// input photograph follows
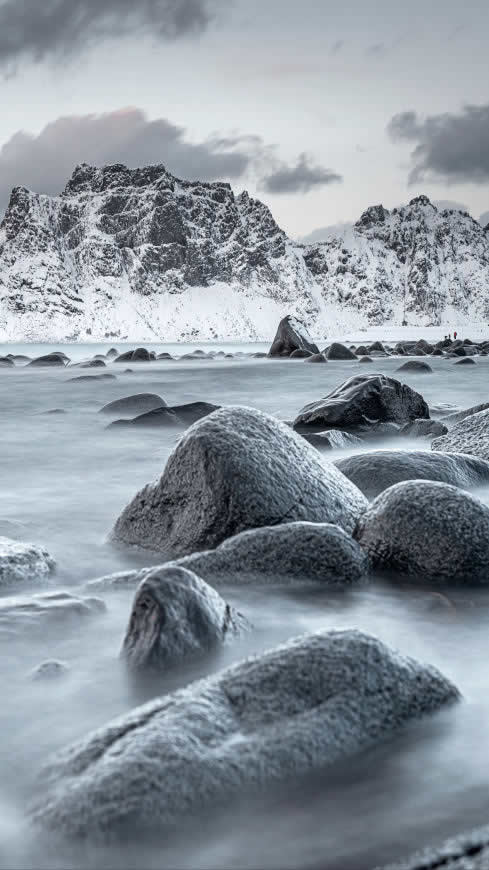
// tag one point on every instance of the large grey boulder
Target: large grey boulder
(470, 435)
(138, 355)
(377, 470)
(291, 335)
(362, 400)
(139, 403)
(24, 563)
(49, 360)
(431, 532)
(236, 469)
(416, 367)
(175, 616)
(42, 615)
(306, 704)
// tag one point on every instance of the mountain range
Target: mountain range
(138, 254)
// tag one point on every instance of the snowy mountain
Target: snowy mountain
(140, 254)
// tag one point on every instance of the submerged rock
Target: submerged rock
(138, 355)
(316, 358)
(6, 362)
(430, 532)
(466, 361)
(24, 563)
(93, 364)
(291, 335)
(49, 360)
(423, 429)
(49, 670)
(136, 404)
(41, 614)
(235, 469)
(339, 351)
(300, 353)
(175, 616)
(365, 359)
(269, 719)
(413, 365)
(176, 415)
(376, 471)
(469, 435)
(363, 400)
(104, 377)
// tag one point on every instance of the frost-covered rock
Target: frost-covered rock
(24, 563)
(42, 614)
(377, 470)
(291, 336)
(469, 435)
(269, 719)
(136, 404)
(175, 616)
(431, 532)
(361, 401)
(236, 469)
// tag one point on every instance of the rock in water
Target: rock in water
(175, 616)
(24, 563)
(423, 429)
(362, 400)
(457, 416)
(50, 359)
(469, 851)
(377, 470)
(177, 415)
(269, 719)
(49, 670)
(339, 351)
(431, 532)
(138, 355)
(469, 435)
(291, 335)
(316, 358)
(42, 615)
(6, 362)
(331, 439)
(236, 469)
(140, 403)
(299, 354)
(413, 365)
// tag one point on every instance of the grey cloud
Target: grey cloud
(41, 28)
(442, 204)
(299, 178)
(337, 46)
(448, 147)
(44, 162)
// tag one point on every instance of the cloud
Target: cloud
(302, 177)
(337, 46)
(450, 148)
(442, 204)
(322, 234)
(37, 29)
(44, 162)
(484, 219)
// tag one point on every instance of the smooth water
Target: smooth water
(65, 478)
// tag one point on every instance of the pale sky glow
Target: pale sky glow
(316, 84)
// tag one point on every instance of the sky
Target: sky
(319, 108)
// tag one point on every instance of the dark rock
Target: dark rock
(416, 367)
(362, 350)
(291, 335)
(49, 360)
(113, 352)
(466, 361)
(261, 355)
(469, 435)
(104, 377)
(431, 532)
(55, 411)
(269, 719)
(316, 358)
(377, 345)
(193, 411)
(175, 616)
(339, 351)
(159, 417)
(437, 352)
(365, 359)
(165, 356)
(138, 355)
(49, 670)
(468, 851)
(423, 429)
(360, 401)
(136, 404)
(233, 470)
(6, 362)
(458, 351)
(331, 439)
(93, 364)
(300, 353)
(376, 471)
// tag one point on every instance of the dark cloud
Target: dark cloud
(299, 178)
(44, 162)
(449, 147)
(41, 28)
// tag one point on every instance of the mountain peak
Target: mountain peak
(422, 200)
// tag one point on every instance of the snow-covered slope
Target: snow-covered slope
(139, 254)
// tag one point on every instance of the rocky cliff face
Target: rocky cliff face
(142, 255)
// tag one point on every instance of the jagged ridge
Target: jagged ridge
(140, 254)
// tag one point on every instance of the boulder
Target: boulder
(457, 416)
(138, 355)
(158, 418)
(49, 670)
(6, 363)
(365, 359)
(176, 415)
(42, 615)
(104, 377)
(165, 355)
(430, 532)
(376, 471)
(113, 352)
(416, 367)
(24, 563)
(466, 361)
(49, 360)
(136, 404)
(339, 351)
(291, 335)
(300, 353)
(331, 439)
(458, 351)
(267, 720)
(235, 469)
(376, 345)
(362, 350)
(423, 429)
(316, 358)
(469, 435)
(362, 400)
(175, 616)
(93, 364)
